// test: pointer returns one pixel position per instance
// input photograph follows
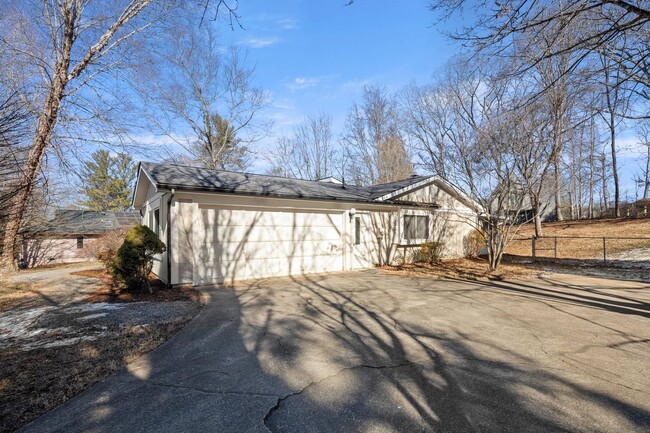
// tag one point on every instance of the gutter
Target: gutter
(169, 237)
(169, 187)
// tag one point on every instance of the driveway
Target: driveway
(371, 352)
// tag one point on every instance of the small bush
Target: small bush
(133, 261)
(430, 252)
(105, 246)
(474, 243)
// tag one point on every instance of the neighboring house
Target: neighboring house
(521, 203)
(67, 237)
(222, 226)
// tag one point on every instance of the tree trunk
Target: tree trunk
(646, 190)
(617, 192)
(604, 179)
(591, 177)
(558, 188)
(41, 140)
(538, 219)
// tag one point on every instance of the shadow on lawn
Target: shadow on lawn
(307, 355)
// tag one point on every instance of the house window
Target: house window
(416, 227)
(156, 222)
(80, 242)
(357, 231)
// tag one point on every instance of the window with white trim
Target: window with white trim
(415, 227)
(357, 231)
(156, 222)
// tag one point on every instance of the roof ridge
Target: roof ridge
(231, 171)
(281, 177)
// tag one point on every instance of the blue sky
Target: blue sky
(316, 56)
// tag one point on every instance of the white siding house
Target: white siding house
(222, 226)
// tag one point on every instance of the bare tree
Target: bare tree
(593, 22)
(372, 138)
(532, 150)
(558, 84)
(616, 99)
(14, 120)
(426, 118)
(644, 177)
(70, 43)
(61, 49)
(498, 154)
(308, 153)
(209, 90)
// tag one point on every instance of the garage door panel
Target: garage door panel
(247, 218)
(259, 268)
(267, 249)
(241, 244)
(262, 234)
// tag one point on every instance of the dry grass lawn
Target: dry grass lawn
(585, 248)
(36, 381)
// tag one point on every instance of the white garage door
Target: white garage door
(243, 244)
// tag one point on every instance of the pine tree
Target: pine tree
(107, 181)
(219, 148)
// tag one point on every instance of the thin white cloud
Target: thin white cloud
(301, 83)
(287, 23)
(260, 42)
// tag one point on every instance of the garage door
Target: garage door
(243, 243)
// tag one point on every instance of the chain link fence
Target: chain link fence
(606, 250)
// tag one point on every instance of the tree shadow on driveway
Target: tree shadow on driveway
(353, 352)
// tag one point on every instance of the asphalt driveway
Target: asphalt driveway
(371, 352)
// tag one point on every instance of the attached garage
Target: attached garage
(223, 226)
(252, 243)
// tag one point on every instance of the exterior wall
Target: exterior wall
(435, 194)
(47, 251)
(222, 238)
(218, 238)
(450, 224)
(157, 201)
(379, 235)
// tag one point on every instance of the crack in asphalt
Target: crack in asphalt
(280, 400)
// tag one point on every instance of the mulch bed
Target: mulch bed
(466, 268)
(109, 292)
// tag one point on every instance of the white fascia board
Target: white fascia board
(407, 189)
(138, 186)
(444, 184)
(452, 189)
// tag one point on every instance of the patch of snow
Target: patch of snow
(641, 255)
(92, 316)
(57, 343)
(16, 324)
(91, 307)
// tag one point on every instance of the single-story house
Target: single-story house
(222, 226)
(70, 235)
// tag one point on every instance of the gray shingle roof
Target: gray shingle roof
(168, 176)
(83, 222)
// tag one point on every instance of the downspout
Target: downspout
(169, 237)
